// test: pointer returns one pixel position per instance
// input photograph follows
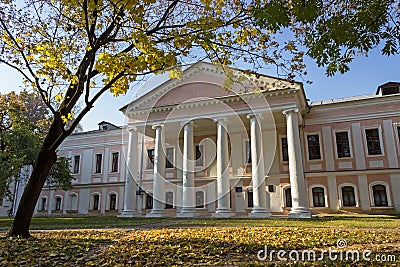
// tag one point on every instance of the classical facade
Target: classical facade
(193, 148)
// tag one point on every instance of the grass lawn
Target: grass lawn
(207, 242)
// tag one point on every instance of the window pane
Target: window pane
(318, 197)
(199, 155)
(348, 196)
(169, 160)
(76, 163)
(113, 201)
(250, 199)
(150, 158)
(199, 199)
(114, 163)
(96, 199)
(342, 144)
(248, 152)
(149, 201)
(380, 197)
(313, 147)
(373, 142)
(99, 158)
(285, 155)
(169, 200)
(288, 198)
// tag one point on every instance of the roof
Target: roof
(343, 99)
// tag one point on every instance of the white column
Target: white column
(260, 208)
(65, 202)
(223, 190)
(333, 193)
(364, 199)
(300, 207)
(51, 200)
(132, 170)
(188, 197)
(159, 174)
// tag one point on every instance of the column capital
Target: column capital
(190, 122)
(155, 126)
(290, 110)
(221, 119)
(255, 115)
(132, 128)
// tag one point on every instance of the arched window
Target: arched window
(58, 203)
(169, 200)
(199, 199)
(288, 197)
(250, 203)
(348, 196)
(96, 202)
(113, 201)
(380, 197)
(318, 197)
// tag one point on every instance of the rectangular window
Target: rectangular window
(313, 147)
(96, 201)
(43, 204)
(77, 159)
(149, 201)
(58, 203)
(150, 158)
(199, 155)
(248, 151)
(114, 162)
(169, 158)
(99, 160)
(398, 132)
(285, 154)
(342, 145)
(250, 199)
(373, 142)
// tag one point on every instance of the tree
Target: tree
(71, 51)
(24, 119)
(334, 32)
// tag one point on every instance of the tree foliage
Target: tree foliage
(24, 122)
(334, 32)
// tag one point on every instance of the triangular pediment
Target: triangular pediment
(203, 81)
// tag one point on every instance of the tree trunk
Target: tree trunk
(26, 207)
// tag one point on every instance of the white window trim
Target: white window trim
(379, 127)
(173, 197)
(173, 157)
(280, 148)
(91, 204)
(311, 198)
(80, 164)
(321, 151)
(283, 196)
(109, 200)
(94, 163)
(55, 203)
(371, 194)
(350, 143)
(340, 186)
(204, 199)
(110, 161)
(69, 200)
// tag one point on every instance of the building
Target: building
(193, 148)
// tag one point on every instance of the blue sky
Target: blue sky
(365, 74)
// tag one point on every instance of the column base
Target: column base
(156, 214)
(225, 213)
(129, 214)
(186, 213)
(259, 213)
(301, 213)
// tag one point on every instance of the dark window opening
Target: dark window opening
(318, 197)
(380, 197)
(342, 145)
(169, 158)
(149, 201)
(313, 147)
(199, 155)
(373, 142)
(288, 198)
(348, 196)
(285, 154)
(250, 203)
(99, 159)
(76, 163)
(169, 200)
(114, 162)
(96, 202)
(150, 156)
(113, 202)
